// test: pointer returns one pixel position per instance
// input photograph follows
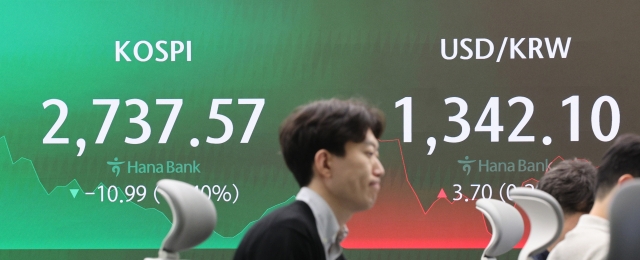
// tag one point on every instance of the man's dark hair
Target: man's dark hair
(325, 124)
(622, 157)
(573, 184)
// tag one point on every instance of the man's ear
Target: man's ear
(321, 163)
(624, 178)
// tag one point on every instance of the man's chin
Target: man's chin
(368, 205)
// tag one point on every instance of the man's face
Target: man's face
(355, 180)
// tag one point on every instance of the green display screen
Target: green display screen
(101, 99)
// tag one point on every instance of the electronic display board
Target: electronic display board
(101, 99)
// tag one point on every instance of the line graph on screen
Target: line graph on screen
(398, 220)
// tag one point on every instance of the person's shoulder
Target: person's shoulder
(583, 242)
(589, 230)
(296, 217)
(597, 250)
(285, 233)
(560, 251)
(295, 214)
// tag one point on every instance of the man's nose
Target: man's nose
(378, 169)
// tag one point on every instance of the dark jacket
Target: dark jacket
(287, 233)
(541, 256)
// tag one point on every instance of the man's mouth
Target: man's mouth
(375, 184)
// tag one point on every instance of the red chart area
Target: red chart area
(400, 221)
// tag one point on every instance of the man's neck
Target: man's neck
(570, 222)
(601, 207)
(602, 204)
(342, 215)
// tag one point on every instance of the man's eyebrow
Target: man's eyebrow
(367, 142)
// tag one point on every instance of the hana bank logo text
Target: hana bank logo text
(136, 167)
(520, 165)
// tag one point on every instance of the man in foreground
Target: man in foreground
(590, 238)
(331, 147)
(573, 184)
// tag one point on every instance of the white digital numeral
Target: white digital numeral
(458, 192)
(255, 115)
(113, 107)
(175, 110)
(228, 125)
(528, 112)
(477, 189)
(146, 129)
(115, 190)
(574, 104)
(464, 125)
(495, 128)
(48, 138)
(484, 196)
(615, 118)
(101, 188)
(406, 118)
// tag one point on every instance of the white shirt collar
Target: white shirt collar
(591, 221)
(328, 228)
